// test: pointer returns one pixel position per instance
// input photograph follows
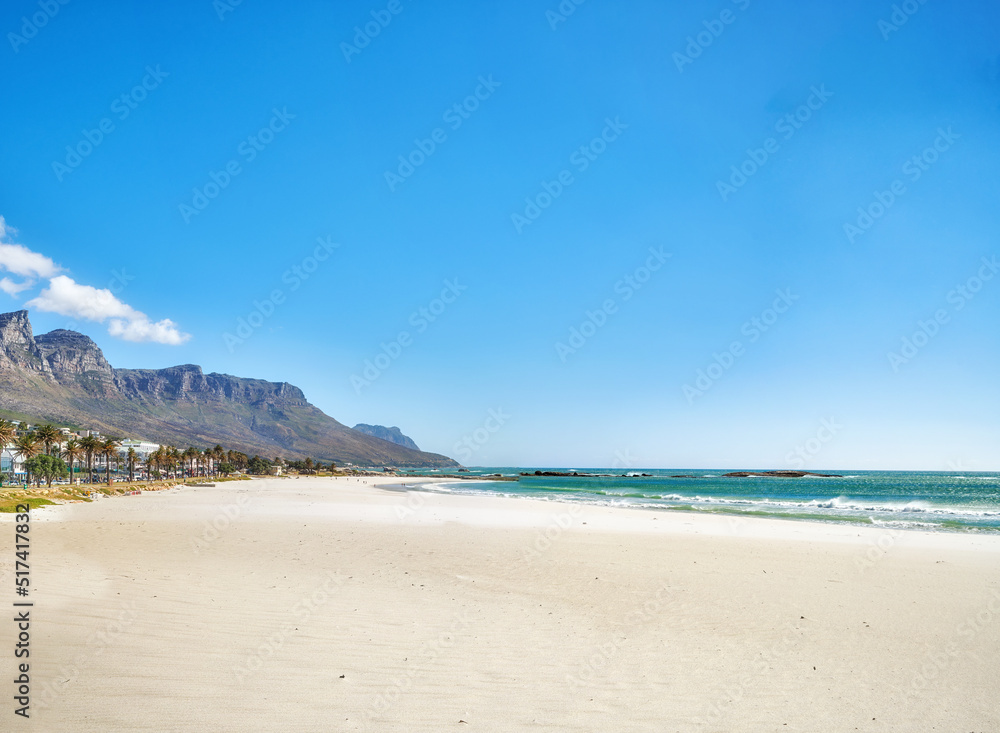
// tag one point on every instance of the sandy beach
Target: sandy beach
(356, 605)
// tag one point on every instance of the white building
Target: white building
(142, 448)
(10, 462)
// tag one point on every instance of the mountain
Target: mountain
(63, 377)
(393, 435)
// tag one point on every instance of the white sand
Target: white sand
(330, 605)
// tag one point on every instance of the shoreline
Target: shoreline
(848, 522)
(600, 517)
(715, 524)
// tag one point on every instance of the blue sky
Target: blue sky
(313, 131)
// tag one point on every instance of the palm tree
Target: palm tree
(72, 452)
(164, 462)
(189, 455)
(26, 446)
(7, 432)
(130, 456)
(167, 460)
(48, 434)
(90, 445)
(220, 455)
(173, 460)
(154, 461)
(161, 462)
(109, 449)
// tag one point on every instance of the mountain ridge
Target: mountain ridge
(62, 376)
(393, 434)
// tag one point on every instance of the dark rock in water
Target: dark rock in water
(779, 474)
(567, 475)
(463, 470)
(685, 475)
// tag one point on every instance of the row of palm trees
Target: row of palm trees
(167, 460)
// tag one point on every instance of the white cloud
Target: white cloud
(143, 329)
(20, 260)
(12, 288)
(68, 298)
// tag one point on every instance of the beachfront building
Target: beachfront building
(143, 448)
(9, 461)
(11, 465)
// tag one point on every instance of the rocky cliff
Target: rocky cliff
(18, 349)
(393, 434)
(69, 352)
(188, 382)
(64, 378)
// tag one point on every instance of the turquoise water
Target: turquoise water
(963, 501)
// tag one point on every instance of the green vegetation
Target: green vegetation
(259, 466)
(42, 453)
(9, 506)
(10, 415)
(46, 468)
(307, 466)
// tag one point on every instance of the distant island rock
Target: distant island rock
(779, 474)
(393, 434)
(564, 474)
(576, 474)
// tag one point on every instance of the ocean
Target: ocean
(947, 501)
